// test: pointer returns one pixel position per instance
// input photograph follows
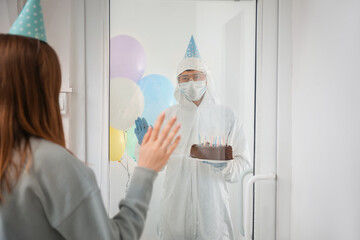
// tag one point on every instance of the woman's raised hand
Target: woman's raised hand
(157, 146)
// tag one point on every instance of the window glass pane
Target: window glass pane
(195, 60)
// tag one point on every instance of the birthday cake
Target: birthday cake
(211, 152)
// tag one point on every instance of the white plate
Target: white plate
(212, 161)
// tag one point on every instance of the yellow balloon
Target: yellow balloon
(117, 144)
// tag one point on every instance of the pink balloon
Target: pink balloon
(127, 58)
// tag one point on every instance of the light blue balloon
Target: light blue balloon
(158, 93)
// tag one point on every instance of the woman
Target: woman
(45, 192)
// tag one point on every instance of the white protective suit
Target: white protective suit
(195, 202)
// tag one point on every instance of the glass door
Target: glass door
(158, 50)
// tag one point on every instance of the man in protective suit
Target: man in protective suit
(195, 201)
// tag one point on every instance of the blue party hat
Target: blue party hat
(192, 51)
(30, 22)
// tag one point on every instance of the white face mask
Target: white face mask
(193, 91)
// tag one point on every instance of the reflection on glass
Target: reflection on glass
(199, 67)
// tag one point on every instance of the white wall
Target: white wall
(59, 24)
(6, 20)
(326, 120)
(83, 64)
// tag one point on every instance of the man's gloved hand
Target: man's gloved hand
(216, 165)
(141, 128)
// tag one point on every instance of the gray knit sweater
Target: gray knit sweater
(58, 198)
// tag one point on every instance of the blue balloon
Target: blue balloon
(158, 93)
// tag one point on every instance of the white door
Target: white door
(270, 183)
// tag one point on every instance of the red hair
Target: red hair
(30, 82)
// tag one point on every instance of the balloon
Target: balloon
(117, 144)
(127, 58)
(126, 103)
(131, 141)
(159, 95)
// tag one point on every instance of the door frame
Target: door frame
(272, 199)
(264, 211)
(271, 217)
(97, 92)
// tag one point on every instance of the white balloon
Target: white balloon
(126, 103)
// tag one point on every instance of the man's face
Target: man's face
(191, 75)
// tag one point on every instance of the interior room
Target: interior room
(273, 83)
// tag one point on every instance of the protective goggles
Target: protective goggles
(194, 77)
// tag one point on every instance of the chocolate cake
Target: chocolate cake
(211, 152)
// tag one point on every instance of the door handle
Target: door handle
(242, 199)
(247, 210)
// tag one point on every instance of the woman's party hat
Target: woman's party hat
(30, 22)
